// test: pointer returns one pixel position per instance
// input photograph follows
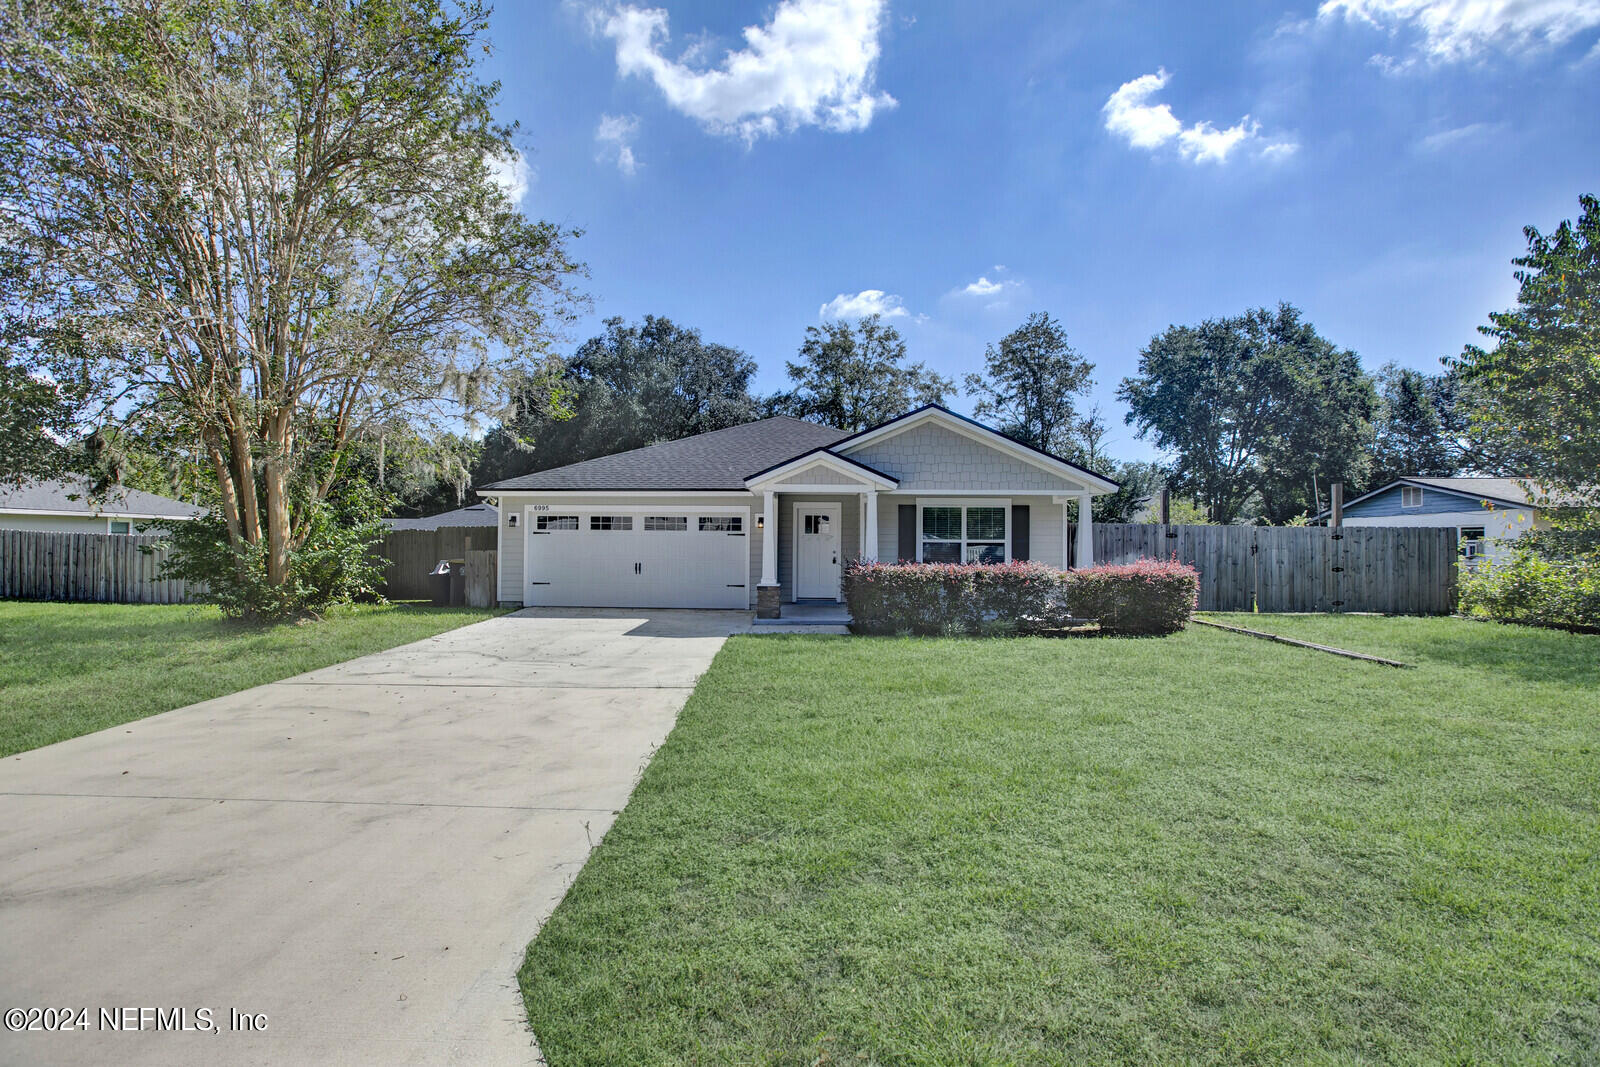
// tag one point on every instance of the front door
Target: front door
(816, 552)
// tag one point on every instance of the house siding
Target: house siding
(933, 457)
(1434, 502)
(818, 475)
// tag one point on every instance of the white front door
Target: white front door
(816, 551)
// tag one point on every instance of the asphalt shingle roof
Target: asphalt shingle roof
(721, 459)
(72, 495)
(471, 515)
(1509, 490)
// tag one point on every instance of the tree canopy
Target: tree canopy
(631, 386)
(1255, 408)
(1537, 390)
(854, 377)
(1032, 380)
(287, 216)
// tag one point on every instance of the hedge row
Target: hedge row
(1147, 597)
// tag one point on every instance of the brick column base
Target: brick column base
(767, 602)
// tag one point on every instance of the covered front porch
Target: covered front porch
(812, 523)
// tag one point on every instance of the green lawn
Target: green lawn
(71, 669)
(1206, 849)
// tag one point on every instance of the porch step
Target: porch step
(803, 622)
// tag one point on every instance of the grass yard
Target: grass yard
(71, 669)
(1200, 849)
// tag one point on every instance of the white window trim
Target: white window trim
(1404, 489)
(963, 503)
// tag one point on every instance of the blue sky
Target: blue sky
(746, 169)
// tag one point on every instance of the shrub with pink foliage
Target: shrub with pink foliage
(965, 598)
(1150, 596)
(1147, 597)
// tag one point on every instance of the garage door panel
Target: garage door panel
(661, 559)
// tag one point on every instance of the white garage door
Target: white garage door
(625, 558)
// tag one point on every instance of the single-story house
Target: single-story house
(485, 516)
(1482, 510)
(768, 513)
(64, 505)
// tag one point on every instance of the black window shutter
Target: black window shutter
(1019, 531)
(908, 532)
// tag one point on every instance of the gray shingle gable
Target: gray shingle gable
(717, 460)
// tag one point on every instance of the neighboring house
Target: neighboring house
(65, 506)
(770, 511)
(1482, 510)
(473, 515)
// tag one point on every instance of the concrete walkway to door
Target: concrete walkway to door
(359, 855)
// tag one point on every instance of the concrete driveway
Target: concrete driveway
(359, 855)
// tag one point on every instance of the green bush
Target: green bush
(334, 564)
(1530, 588)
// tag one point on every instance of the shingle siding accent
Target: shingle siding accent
(932, 457)
(819, 476)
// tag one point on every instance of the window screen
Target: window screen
(1410, 496)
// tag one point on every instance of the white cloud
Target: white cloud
(512, 174)
(814, 64)
(615, 136)
(984, 287)
(1130, 115)
(860, 305)
(1473, 131)
(1462, 29)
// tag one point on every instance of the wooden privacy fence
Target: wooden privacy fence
(1391, 569)
(410, 556)
(110, 568)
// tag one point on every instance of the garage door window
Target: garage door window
(610, 522)
(546, 523)
(666, 523)
(721, 524)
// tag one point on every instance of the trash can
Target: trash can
(439, 583)
(458, 582)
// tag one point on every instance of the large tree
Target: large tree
(1032, 381)
(853, 377)
(1537, 390)
(633, 385)
(1255, 409)
(1411, 429)
(287, 211)
(42, 391)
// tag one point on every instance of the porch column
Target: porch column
(769, 538)
(869, 528)
(767, 592)
(1085, 532)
